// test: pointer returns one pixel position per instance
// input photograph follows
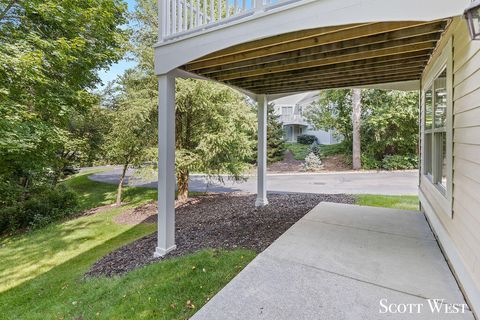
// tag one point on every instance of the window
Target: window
(435, 133)
(287, 111)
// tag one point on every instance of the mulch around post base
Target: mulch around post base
(226, 221)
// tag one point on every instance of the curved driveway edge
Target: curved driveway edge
(381, 182)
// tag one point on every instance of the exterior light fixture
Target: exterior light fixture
(472, 14)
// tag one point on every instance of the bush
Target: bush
(315, 148)
(399, 162)
(306, 139)
(41, 207)
(312, 162)
(370, 163)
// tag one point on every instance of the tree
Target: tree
(214, 124)
(356, 115)
(50, 53)
(275, 140)
(333, 110)
(132, 138)
(389, 122)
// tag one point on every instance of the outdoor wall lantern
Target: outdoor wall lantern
(472, 14)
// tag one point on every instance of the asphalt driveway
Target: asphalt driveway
(382, 182)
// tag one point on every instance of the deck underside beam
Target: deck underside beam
(344, 56)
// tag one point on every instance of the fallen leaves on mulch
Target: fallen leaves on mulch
(226, 221)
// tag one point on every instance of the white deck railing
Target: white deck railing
(293, 119)
(179, 18)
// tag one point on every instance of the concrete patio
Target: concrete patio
(344, 262)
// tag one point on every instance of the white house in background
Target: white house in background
(290, 109)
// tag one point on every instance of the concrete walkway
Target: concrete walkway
(344, 262)
(383, 182)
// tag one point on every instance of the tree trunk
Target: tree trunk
(182, 182)
(120, 185)
(356, 114)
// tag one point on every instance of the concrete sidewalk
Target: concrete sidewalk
(344, 262)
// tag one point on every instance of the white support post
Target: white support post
(262, 152)
(166, 165)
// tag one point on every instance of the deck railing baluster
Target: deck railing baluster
(204, 13)
(185, 15)
(178, 16)
(219, 10)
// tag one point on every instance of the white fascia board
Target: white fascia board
(297, 16)
(411, 85)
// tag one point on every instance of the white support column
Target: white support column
(262, 152)
(166, 165)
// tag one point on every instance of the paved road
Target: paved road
(387, 183)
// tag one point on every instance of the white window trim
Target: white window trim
(445, 199)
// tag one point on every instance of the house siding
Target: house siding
(461, 220)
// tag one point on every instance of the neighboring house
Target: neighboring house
(271, 50)
(290, 109)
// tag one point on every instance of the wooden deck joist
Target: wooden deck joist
(353, 55)
(345, 76)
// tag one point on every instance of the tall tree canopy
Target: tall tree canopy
(50, 53)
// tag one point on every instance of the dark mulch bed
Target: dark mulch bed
(288, 164)
(225, 221)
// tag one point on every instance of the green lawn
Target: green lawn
(395, 202)
(300, 151)
(94, 194)
(41, 271)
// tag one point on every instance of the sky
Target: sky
(118, 68)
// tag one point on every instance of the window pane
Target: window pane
(428, 154)
(428, 109)
(440, 86)
(441, 154)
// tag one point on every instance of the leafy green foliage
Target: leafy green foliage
(399, 162)
(389, 122)
(39, 209)
(50, 53)
(214, 126)
(132, 137)
(275, 140)
(306, 139)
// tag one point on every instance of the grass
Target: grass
(42, 270)
(395, 202)
(94, 194)
(332, 149)
(300, 151)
